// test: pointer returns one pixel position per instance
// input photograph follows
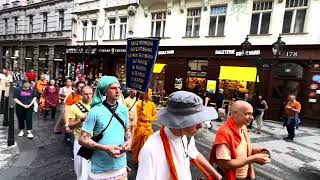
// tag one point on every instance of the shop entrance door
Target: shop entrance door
(282, 88)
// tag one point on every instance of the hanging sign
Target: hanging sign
(140, 58)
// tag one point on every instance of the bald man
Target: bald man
(232, 150)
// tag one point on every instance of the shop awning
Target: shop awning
(158, 68)
(238, 73)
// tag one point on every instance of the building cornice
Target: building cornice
(33, 5)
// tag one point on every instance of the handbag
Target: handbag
(87, 152)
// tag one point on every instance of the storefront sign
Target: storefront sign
(57, 59)
(140, 59)
(311, 100)
(166, 52)
(42, 59)
(112, 50)
(238, 53)
(27, 58)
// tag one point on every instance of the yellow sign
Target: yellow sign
(238, 73)
(211, 86)
(158, 68)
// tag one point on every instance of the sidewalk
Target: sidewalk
(46, 156)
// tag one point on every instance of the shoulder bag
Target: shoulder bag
(87, 152)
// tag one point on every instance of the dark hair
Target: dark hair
(79, 82)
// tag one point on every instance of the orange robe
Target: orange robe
(144, 128)
(229, 134)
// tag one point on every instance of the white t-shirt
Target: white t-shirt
(66, 92)
(153, 164)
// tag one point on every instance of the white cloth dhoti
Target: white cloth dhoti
(81, 165)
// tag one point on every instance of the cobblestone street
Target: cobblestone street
(48, 156)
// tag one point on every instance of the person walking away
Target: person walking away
(167, 153)
(261, 107)
(293, 108)
(77, 115)
(73, 98)
(51, 95)
(206, 101)
(109, 158)
(24, 97)
(5, 82)
(147, 114)
(232, 150)
(64, 92)
(131, 103)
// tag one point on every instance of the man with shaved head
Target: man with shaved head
(232, 150)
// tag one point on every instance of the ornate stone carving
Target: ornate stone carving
(132, 10)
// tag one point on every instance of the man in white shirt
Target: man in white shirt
(167, 153)
(6, 79)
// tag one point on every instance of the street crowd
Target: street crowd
(106, 124)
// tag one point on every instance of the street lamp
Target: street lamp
(278, 47)
(245, 46)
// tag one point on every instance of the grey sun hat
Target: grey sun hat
(185, 109)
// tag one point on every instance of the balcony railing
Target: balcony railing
(66, 34)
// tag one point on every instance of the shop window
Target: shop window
(289, 70)
(217, 20)
(121, 72)
(197, 68)
(295, 15)
(197, 85)
(283, 88)
(236, 89)
(261, 15)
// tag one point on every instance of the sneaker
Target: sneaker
(21, 133)
(30, 135)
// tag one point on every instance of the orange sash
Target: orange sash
(167, 150)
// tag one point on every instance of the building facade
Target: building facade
(34, 34)
(201, 41)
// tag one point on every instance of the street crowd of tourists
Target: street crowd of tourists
(106, 125)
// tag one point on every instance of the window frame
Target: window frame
(30, 23)
(94, 30)
(45, 22)
(61, 20)
(154, 23)
(16, 25)
(112, 28)
(84, 30)
(217, 20)
(193, 22)
(261, 12)
(294, 14)
(5, 26)
(123, 28)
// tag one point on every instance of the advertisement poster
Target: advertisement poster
(140, 59)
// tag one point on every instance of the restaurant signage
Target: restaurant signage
(237, 53)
